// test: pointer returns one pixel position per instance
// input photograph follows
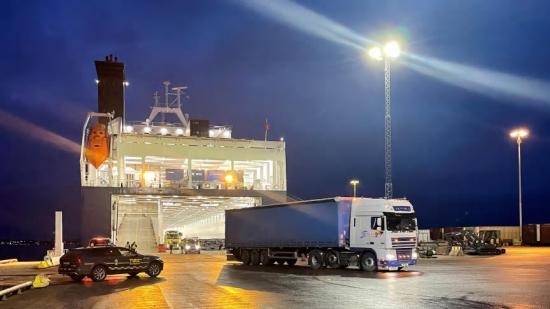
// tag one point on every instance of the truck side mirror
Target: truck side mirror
(379, 222)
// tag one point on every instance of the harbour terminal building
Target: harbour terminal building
(169, 172)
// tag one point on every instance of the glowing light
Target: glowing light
(163, 131)
(32, 131)
(519, 133)
(149, 176)
(392, 49)
(179, 131)
(126, 83)
(97, 81)
(309, 21)
(147, 130)
(375, 53)
(128, 129)
(229, 178)
(354, 182)
(483, 81)
(282, 139)
(480, 80)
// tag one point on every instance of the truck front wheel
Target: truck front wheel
(368, 262)
(315, 259)
(332, 259)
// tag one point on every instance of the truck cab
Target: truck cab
(388, 227)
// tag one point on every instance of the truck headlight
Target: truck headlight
(390, 257)
(187, 247)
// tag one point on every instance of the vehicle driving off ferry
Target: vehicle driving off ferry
(374, 234)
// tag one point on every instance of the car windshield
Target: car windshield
(401, 222)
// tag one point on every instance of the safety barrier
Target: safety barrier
(8, 261)
(16, 289)
(48, 262)
(456, 251)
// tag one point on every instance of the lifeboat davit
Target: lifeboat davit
(97, 149)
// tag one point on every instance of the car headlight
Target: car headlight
(187, 247)
(390, 257)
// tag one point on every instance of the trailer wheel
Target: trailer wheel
(291, 262)
(237, 253)
(332, 259)
(245, 256)
(368, 262)
(265, 259)
(254, 258)
(315, 259)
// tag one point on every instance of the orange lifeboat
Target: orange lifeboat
(97, 149)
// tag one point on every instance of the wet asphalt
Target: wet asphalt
(519, 278)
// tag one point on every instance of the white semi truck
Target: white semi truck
(374, 234)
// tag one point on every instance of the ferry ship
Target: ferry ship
(140, 179)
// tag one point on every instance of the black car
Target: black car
(98, 262)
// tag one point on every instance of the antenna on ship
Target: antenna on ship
(170, 106)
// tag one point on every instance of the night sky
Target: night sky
(452, 155)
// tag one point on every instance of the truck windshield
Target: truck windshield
(397, 222)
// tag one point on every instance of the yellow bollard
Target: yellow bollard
(40, 281)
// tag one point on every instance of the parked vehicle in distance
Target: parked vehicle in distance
(172, 238)
(99, 261)
(100, 241)
(374, 234)
(212, 244)
(191, 245)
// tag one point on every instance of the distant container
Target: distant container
(536, 234)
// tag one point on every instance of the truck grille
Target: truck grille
(403, 242)
(404, 254)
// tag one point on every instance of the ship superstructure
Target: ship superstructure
(169, 172)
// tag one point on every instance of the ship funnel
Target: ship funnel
(111, 81)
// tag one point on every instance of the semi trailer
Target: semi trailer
(372, 233)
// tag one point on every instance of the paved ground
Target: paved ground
(520, 278)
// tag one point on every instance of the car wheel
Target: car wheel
(245, 256)
(77, 278)
(254, 258)
(154, 269)
(332, 259)
(368, 262)
(99, 273)
(315, 259)
(291, 262)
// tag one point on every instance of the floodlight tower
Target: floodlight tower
(389, 52)
(519, 135)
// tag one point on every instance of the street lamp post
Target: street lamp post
(519, 135)
(354, 183)
(389, 52)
